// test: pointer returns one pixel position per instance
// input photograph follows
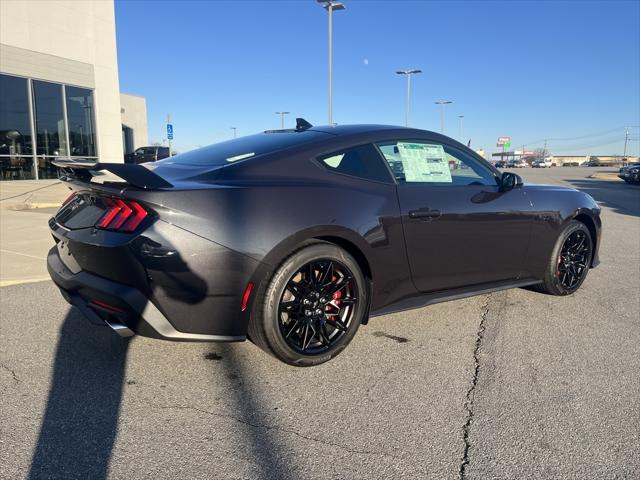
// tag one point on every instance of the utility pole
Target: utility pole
(460, 117)
(234, 131)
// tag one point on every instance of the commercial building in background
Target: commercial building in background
(600, 160)
(133, 117)
(59, 89)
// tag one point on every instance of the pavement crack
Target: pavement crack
(468, 404)
(279, 429)
(11, 371)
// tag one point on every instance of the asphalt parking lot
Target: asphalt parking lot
(513, 384)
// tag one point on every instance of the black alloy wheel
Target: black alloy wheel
(574, 258)
(317, 306)
(311, 307)
(570, 261)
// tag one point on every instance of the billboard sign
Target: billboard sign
(503, 140)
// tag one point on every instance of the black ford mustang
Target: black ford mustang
(294, 238)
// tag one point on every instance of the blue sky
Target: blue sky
(528, 70)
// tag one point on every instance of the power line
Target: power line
(566, 139)
(586, 147)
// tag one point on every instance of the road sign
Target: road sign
(169, 131)
(502, 140)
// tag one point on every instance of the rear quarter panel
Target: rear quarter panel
(267, 216)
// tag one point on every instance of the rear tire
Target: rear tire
(312, 306)
(570, 261)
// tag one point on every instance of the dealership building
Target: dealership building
(59, 88)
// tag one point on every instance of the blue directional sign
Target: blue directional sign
(169, 131)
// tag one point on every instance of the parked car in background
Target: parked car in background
(541, 163)
(630, 173)
(517, 164)
(502, 164)
(147, 154)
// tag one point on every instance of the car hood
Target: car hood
(548, 190)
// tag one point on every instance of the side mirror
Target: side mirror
(509, 181)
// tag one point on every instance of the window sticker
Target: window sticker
(424, 163)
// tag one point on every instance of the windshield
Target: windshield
(224, 153)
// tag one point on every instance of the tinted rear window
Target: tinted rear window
(225, 153)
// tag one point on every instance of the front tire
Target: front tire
(312, 306)
(569, 262)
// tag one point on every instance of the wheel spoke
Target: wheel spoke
(289, 306)
(310, 274)
(306, 343)
(336, 287)
(334, 322)
(326, 273)
(295, 325)
(323, 336)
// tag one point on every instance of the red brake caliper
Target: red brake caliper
(336, 296)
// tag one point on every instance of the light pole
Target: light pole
(626, 140)
(443, 104)
(282, 114)
(234, 131)
(330, 6)
(408, 73)
(460, 117)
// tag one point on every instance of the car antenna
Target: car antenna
(302, 125)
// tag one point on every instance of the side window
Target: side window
(423, 162)
(363, 162)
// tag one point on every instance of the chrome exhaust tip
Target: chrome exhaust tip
(120, 328)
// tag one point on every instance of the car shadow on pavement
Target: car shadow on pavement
(263, 437)
(621, 197)
(80, 422)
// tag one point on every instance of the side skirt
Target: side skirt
(453, 294)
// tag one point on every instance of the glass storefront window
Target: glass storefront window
(51, 136)
(37, 126)
(16, 148)
(80, 121)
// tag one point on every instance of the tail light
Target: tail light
(122, 215)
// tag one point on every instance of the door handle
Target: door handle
(424, 213)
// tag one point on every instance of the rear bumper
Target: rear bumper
(128, 311)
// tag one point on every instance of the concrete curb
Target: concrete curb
(8, 283)
(32, 206)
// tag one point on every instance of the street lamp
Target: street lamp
(234, 131)
(408, 73)
(330, 6)
(443, 104)
(282, 114)
(460, 117)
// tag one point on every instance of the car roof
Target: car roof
(345, 130)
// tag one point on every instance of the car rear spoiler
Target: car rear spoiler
(134, 174)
